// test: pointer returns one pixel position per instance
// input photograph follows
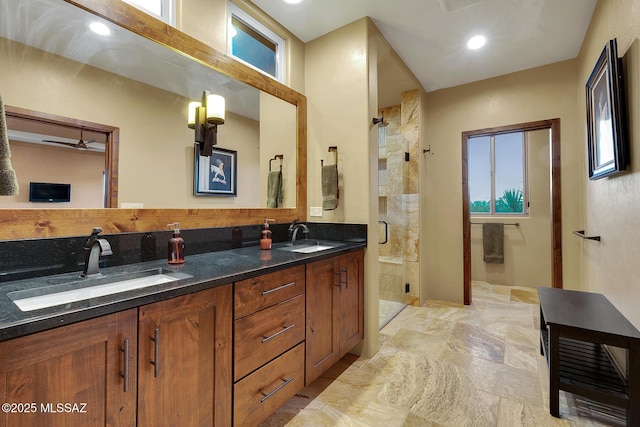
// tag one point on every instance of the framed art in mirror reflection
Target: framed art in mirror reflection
(215, 175)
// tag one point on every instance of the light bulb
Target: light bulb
(476, 42)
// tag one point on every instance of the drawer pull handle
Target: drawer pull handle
(277, 389)
(125, 373)
(156, 350)
(279, 288)
(282, 331)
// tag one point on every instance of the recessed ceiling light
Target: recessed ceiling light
(476, 42)
(293, 1)
(100, 28)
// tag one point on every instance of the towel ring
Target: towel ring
(333, 148)
(277, 156)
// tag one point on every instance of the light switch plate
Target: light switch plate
(315, 211)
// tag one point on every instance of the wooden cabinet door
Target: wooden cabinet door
(184, 350)
(351, 313)
(322, 337)
(75, 375)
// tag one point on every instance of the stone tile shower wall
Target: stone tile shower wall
(398, 201)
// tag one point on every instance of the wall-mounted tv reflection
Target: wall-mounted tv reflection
(48, 192)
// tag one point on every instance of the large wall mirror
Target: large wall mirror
(138, 81)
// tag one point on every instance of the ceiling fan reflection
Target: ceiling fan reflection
(80, 145)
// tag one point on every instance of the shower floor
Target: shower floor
(388, 310)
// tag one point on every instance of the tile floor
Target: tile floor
(446, 364)
(387, 310)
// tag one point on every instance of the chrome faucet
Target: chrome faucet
(93, 248)
(293, 230)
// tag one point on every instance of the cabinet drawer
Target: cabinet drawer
(263, 392)
(263, 291)
(266, 334)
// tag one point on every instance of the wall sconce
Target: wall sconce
(204, 117)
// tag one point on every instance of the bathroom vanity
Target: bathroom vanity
(227, 345)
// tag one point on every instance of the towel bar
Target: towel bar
(277, 156)
(580, 233)
(335, 150)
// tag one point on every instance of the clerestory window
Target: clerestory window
(254, 44)
(161, 9)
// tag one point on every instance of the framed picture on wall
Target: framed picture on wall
(606, 116)
(215, 175)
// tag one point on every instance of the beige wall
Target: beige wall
(536, 94)
(338, 94)
(611, 205)
(204, 20)
(41, 163)
(337, 87)
(278, 131)
(527, 248)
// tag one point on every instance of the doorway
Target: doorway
(58, 128)
(553, 125)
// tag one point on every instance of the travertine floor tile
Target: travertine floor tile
(529, 296)
(475, 341)
(446, 364)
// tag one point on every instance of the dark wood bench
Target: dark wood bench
(574, 327)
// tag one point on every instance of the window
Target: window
(161, 9)
(254, 44)
(498, 174)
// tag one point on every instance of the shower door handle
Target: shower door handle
(386, 232)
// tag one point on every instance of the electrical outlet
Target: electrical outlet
(131, 205)
(315, 211)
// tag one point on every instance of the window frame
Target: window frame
(525, 177)
(168, 6)
(233, 11)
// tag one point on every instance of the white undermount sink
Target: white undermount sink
(306, 248)
(79, 290)
(311, 249)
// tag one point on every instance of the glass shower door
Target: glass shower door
(393, 217)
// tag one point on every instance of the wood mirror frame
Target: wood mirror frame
(39, 223)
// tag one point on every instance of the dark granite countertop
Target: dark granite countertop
(206, 270)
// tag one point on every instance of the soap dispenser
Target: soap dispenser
(265, 235)
(176, 246)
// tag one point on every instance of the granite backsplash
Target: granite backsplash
(23, 259)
